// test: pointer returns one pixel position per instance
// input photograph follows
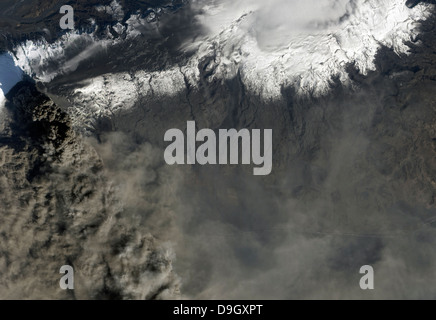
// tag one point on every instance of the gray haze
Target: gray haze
(351, 186)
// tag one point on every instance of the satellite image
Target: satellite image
(217, 149)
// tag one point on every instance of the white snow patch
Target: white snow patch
(114, 9)
(119, 28)
(109, 94)
(136, 25)
(44, 61)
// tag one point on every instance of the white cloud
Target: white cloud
(301, 43)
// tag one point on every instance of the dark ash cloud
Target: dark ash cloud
(59, 208)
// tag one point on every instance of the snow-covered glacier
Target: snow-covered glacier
(274, 44)
(303, 43)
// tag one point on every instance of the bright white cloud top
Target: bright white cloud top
(303, 43)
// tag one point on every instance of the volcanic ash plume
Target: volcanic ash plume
(58, 208)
